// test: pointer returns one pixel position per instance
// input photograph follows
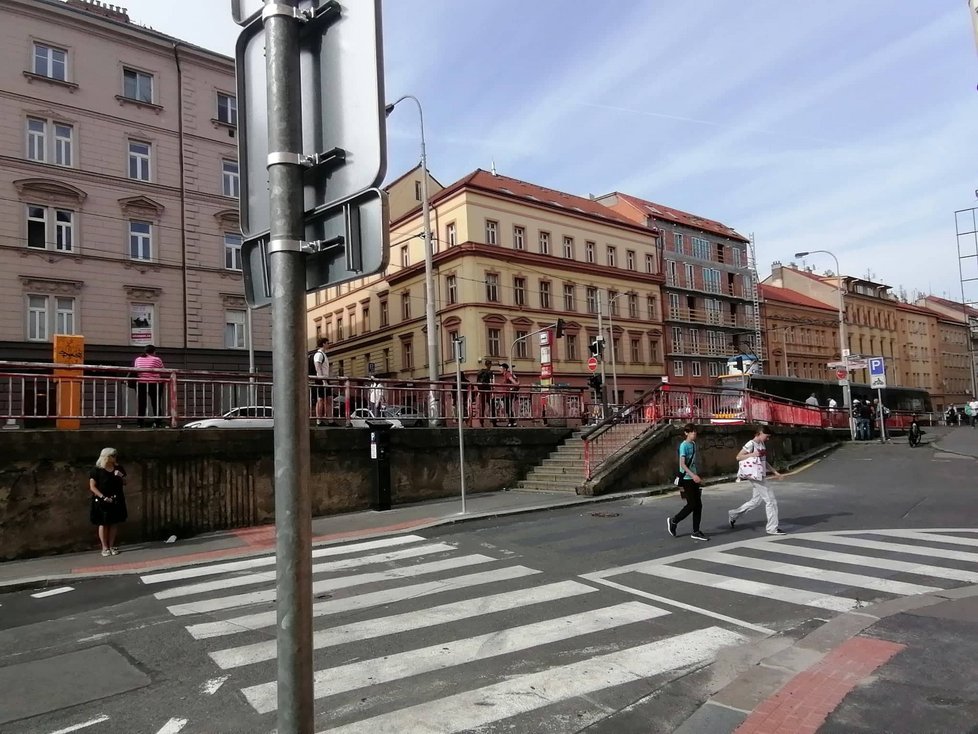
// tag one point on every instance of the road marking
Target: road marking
(447, 654)
(173, 726)
(319, 587)
(937, 538)
(329, 566)
(209, 688)
(269, 560)
(429, 617)
(894, 547)
(521, 694)
(754, 588)
(679, 604)
(83, 725)
(853, 559)
(257, 621)
(820, 574)
(53, 592)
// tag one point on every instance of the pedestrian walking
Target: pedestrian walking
(483, 380)
(753, 468)
(149, 388)
(108, 509)
(689, 486)
(812, 400)
(511, 385)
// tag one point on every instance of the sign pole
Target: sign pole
(290, 398)
(460, 408)
(879, 395)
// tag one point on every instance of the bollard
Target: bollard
(380, 438)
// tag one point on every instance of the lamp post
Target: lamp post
(429, 280)
(611, 335)
(843, 349)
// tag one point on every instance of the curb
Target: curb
(368, 534)
(729, 707)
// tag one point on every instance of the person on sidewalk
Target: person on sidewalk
(319, 372)
(689, 486)
(105, 482)
(753, 468)
(812, 400)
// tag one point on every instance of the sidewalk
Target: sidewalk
(961, 440)
(905, 665)
(325, 530)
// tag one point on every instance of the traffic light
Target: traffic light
(594, 381)
(559, 329)
(597, 347)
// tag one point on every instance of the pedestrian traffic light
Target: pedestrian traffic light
(559, 328)
(595, 382)
(597, 347)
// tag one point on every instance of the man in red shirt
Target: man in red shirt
(149, 385)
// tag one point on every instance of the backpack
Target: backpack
(312, 363)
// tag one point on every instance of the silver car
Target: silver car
(248, 416)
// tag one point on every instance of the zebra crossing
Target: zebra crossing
(784, 578)
(422, 636)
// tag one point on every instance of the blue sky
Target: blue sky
(839, 125)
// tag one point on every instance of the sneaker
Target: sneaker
(777, 531)
(320, 423)
(114, 551)
(671, 527)
(698, 536)
(106, 553)
(732, 521)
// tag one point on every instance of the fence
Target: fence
(97, 395)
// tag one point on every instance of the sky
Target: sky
(838, 125)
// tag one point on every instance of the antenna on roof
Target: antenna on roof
(492, 169)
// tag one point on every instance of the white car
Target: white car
(360, 418)
(249, 416)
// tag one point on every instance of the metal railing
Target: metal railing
(38, 394)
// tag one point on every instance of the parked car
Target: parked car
(408, 416)
(248, 416)
(360, 418)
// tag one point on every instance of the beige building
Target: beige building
(958, 348)
(118, 211)
(801, 334)
(510, 258)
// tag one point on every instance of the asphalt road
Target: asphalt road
(588, 619)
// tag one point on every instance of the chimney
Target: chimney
(96, 7)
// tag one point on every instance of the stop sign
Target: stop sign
(592, 364)
(841, 373)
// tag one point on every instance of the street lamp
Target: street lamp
(843, 349)
(611, 332)
(429, 280)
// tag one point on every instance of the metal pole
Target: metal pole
(429, 280)
(252, 397)
(461, 419)
(784, 355)
(611, 337)
(604, 389)
(293, 522)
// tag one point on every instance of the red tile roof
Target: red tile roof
(659, 211)
(956, 305)
(481, 180)
(783, 295)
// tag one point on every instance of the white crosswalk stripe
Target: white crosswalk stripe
(421, 636)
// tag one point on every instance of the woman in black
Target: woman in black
(106, 482)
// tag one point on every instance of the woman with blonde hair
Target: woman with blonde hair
(106, 482)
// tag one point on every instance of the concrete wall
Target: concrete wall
(188, 482)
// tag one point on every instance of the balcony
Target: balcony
(701, 350)
(710, 318)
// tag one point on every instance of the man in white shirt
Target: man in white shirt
(321, 362)
(812, 400)
(974, 412)
(753, 468)
(833, 404)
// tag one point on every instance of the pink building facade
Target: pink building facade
(118, 191)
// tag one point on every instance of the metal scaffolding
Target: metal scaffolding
(966, 228)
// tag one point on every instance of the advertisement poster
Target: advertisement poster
(141, 318)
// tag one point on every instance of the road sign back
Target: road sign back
(344, 132)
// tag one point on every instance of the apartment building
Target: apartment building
(510, 258)
(708, 313)
(118, 191)
(958, 345)
(801, 334)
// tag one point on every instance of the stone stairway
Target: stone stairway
(562, 471)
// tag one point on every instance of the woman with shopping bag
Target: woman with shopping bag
(753, 468)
